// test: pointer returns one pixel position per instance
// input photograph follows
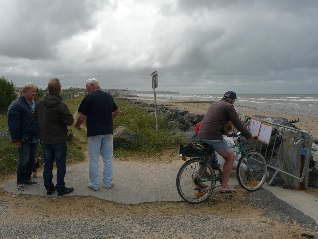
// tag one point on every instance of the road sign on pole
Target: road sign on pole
(154, 76)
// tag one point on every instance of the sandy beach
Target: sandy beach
(307, 122)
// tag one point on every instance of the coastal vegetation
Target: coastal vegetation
(150, 142)
(7, 93)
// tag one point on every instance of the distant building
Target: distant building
(119, 92)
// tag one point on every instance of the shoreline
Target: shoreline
(307, 123)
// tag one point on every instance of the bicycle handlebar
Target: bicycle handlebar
(239, 134)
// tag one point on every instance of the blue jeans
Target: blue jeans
(103, 144)
(54, 152)
(27, 154)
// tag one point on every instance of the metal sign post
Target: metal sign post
(154, 76)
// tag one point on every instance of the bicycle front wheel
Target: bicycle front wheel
(195, 180)
(251, 171)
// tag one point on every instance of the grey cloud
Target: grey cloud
(264, 40)
(286, 6)
(34, 28)
(202, 46)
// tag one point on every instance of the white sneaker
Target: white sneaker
(93, 188)
(109, 187)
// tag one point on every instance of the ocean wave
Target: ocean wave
(303, 104)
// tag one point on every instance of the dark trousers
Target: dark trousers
(57, 153)
(27, 154)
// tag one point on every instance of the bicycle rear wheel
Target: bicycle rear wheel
(194, 180)
(251, 171)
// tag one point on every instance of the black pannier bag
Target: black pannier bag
(195, 149)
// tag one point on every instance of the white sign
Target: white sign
(154, 76)
(265, 133)
(254, 126)
(261, 129)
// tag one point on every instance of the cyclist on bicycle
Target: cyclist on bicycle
(213, 127)
(229, 131)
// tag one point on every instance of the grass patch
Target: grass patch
(74, 103)
(77, 147)
(8, 152)
(149, 141)
(8, 156)
(3, 122)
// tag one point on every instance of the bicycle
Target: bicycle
(196, 178)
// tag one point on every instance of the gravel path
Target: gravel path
(178, 226)
(182, 226)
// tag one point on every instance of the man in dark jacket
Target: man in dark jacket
(213, 127)
(24, 131)
(54, 117)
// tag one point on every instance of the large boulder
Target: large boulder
(124, 137)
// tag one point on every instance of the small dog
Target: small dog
(39, 161)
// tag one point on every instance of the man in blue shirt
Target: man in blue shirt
(99, 110)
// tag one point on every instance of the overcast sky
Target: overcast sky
(196, 46)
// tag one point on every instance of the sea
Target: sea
(298, 104)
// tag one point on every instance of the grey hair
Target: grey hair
(93, 82)
(27, 87)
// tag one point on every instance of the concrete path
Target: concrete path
(304, 202)
(137, 182)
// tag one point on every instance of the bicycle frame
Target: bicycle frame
(244, 153)
(241, 151)
(208, 179)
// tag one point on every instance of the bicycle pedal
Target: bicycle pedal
(254, 183)
(199, 194)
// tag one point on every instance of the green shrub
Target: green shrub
(76, 150)
(8, 156)
(7, 94)
(149, 141)
(3, 122)
(8, 153)
(39, 94)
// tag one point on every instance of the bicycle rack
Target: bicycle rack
(288, 153)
